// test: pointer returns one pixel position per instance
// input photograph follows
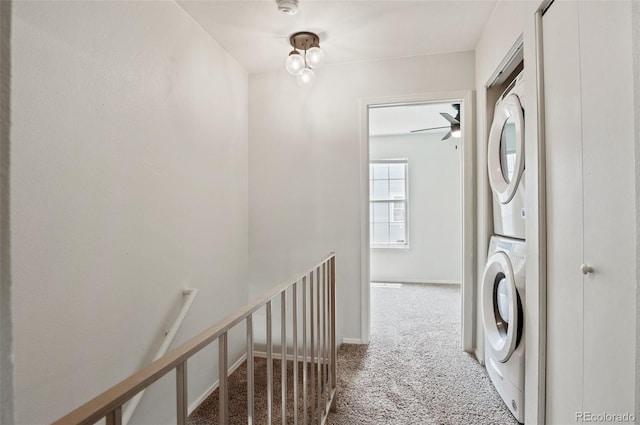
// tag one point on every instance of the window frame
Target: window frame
(406, 245)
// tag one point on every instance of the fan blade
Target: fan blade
(446, 136)
(449, 118)
(426, 129)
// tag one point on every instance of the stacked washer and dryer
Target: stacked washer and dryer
(503, 286)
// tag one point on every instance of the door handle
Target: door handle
(586, 269)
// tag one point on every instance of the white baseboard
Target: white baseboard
(445, 282)
(427, 282)
(197, 402)
(352, 341)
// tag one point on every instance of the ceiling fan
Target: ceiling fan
(454, 127)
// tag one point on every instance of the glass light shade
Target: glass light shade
(315, 57)
(306, 77)
(295, 63)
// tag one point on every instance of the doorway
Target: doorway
(411, 241)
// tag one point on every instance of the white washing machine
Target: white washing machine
(503, 296)
(505, 160)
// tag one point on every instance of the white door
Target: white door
(564, 197)
(609, 205)
(590, 209)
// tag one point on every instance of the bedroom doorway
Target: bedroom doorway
(417, 223)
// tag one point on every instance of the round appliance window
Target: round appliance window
(501, 307)
(508, 149)
(505, 150)
(502, 312)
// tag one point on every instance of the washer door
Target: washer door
(500, 307)
(505, 155)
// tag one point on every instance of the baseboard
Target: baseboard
(422, 282)
(197, 402)
(352, 341)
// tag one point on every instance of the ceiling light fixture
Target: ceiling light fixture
(302, 64)
(288, 7)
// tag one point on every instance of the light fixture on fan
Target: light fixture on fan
(454, 124)
(302, 64)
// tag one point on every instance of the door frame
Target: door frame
(468, 234)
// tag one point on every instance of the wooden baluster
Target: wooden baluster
(269, 367)
(250, 372)
(115, 416)
(304, 350)
(283, 351)
(223, 381)
(312, 369)
(181, 392)
(319, 333)
(332, 284)
(294, 312)
(325, 360)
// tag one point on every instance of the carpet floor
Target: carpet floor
(412, 372)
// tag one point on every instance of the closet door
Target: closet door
(591, 277)
(564, 213)
(609, 205)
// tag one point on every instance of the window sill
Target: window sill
(392, 247)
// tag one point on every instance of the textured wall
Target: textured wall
(6, 362)
(434, 226)
(129, 182)
(304, 162)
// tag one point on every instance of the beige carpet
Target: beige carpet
(207, 412)
(412, 372)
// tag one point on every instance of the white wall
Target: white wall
(434, 226)
(129, 182)
(6, 350)
(635, 27)
(304, 162)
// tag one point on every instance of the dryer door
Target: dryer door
(500, 306)
(505, 153)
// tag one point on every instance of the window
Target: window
(388, 203)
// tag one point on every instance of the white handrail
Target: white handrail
(191, 294)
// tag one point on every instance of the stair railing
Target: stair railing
(319, 362)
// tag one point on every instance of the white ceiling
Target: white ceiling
(256, 34)
(384, 121)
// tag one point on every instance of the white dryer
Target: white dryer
(503, 297)
(505, 160)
